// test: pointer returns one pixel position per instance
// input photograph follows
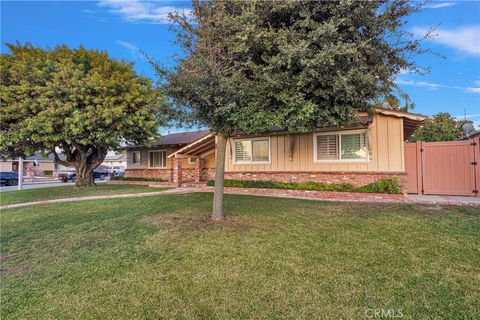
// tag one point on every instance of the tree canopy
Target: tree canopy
(250, 65)
(79, 101)
(440, 127)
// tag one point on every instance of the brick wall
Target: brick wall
(164, 174)
(355, 178)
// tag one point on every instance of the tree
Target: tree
(441, 127)
(395, 103)
(253, 64)
(77, 100)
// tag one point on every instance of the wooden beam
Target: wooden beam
(185, 156)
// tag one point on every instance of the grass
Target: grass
(12, 197)
(162, 257)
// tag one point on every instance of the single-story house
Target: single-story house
(116, 160)
(368, 150)
(35, 165)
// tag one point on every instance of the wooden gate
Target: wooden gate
(445, 168)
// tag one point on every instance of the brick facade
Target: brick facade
(355, 178)
(164, 174)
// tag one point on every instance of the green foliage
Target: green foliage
(441, 127)
(47, 172)
(117, 178)
(390, 186)
(81, 101)
(250, 65)
(395, 103)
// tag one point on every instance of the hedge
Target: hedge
(47, 172)
(389, 186)
(136, 179)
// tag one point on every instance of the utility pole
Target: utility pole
(20, 173)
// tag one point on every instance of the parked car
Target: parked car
(71, 175)
(8, 178)
(115, 170)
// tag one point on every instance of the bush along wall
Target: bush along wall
(389, 186)
(136, 179)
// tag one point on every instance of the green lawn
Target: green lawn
(161, 257)
(11, 197)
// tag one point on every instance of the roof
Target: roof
(471, 135)
(37, 156)
(178, 138)
(401, 114)
(197, 146)
(116, 157)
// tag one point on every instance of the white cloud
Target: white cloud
(133, 49)
(435, 86)
(439, 5)
(465, 39)
(136, 11)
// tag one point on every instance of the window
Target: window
(136, 157)
(191, 160)
(157, 159)
(252, 150)
(342, 146)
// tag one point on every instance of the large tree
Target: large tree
(79, 101)
(440, 127)
(253, 64)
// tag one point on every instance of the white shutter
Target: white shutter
(327, 147)
(243, 151)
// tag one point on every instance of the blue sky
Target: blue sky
(124, 28)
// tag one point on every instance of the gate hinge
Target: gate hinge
(473, 144)
(475, 191)
(474, 163)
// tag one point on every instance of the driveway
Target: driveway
(44, 185)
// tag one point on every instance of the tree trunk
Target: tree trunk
(217, 213)
(84, 175)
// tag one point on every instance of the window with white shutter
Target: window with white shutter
(341, 146)
(252, 150)
(327, 147)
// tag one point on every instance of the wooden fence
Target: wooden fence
(444, 168)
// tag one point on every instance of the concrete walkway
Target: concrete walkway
(115, 196)
(438, 199)
(309, 195)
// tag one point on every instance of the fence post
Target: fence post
(419, 146)
(476, 159)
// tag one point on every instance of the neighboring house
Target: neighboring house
(116, 160)
(36, 165)
(471, 135)
(370, 149)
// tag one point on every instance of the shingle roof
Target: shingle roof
(178, 138)
(37, 156)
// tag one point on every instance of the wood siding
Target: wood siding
(385, 144)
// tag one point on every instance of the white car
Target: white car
(115, 170)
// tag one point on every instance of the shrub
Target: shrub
(136, 179)
(47, 172)
(390, 185)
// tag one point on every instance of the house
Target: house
(471, 135)
(35, 165)
(116, 160)
(368, 150)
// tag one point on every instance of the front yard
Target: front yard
(162, 257)
(29, 195)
